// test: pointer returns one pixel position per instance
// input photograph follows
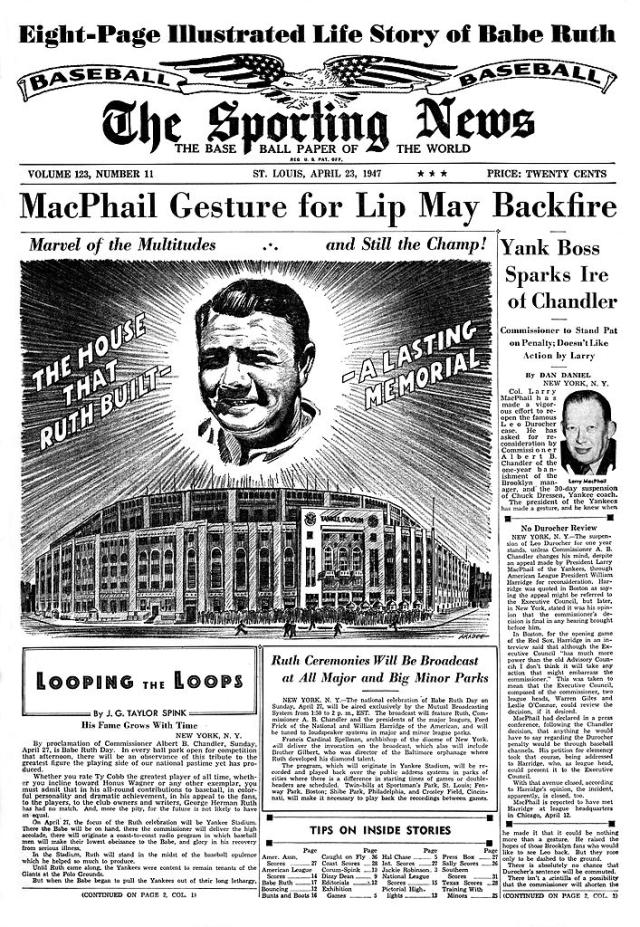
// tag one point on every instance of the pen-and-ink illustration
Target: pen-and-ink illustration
(232, 448)
(254, 356)
(341, 79)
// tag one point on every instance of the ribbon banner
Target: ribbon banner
(541, 68)
(40, 82)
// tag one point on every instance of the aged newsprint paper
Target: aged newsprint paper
(318, 576)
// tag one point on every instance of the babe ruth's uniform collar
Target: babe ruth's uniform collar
(230, 449)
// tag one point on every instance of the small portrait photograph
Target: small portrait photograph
(589, 446)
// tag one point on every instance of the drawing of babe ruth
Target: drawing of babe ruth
(589, 447)
(254, 357)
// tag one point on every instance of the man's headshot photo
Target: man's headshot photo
(254, 357)
(589, 447)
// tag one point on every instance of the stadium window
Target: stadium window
(374, 567)
(310, 563)
(241, 568)
(289, 567)
(216, 568)
(264, 569)
(191, 568)
(406, 571)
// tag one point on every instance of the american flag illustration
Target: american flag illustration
(343, 77)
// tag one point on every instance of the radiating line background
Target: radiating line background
(435, 442)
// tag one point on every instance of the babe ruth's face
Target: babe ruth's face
(586, 431)
(250, 378)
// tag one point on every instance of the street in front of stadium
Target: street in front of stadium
(470, 622)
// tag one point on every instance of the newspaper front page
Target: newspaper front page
(317, 333)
